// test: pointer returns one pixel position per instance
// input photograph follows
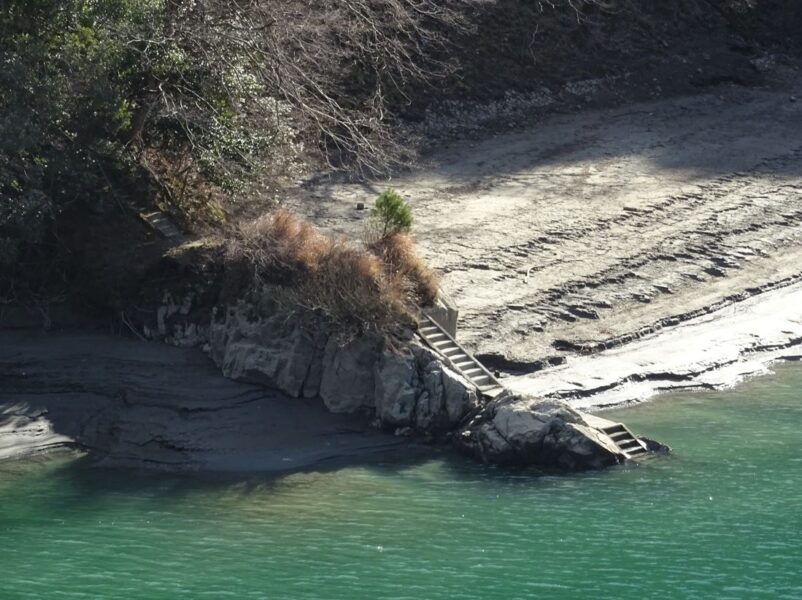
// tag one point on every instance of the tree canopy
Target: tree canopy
(190, 104)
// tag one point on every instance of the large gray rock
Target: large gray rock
(526, 431)
(430, 411)
(274, 351)
(414, 389)
(459, 396)
(445, 400)
(397, 388)
(348, 382)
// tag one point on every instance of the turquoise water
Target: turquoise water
(722, 518)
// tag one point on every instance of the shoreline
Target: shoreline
(99, 396)
(610, 254)
(127, 403)
(713, 351)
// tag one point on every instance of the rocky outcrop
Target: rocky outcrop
(401, 385)
(415, 390)
(133, 404)
(267, 347)
(348, 374)
(404, 387)
(514, 429)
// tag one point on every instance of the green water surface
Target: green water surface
(721, 518)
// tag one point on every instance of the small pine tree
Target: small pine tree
(391, 213)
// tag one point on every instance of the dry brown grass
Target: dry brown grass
(397, 252)
(279, 247)
(356, 289)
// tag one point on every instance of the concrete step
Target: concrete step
(492, 391)
(453, 351)
(645, 456)
(627, 442)
(460, 360)
(638, 453)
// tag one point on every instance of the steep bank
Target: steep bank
(591, 231)
(525, 59)
(400, 384)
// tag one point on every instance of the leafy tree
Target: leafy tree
(191, 105)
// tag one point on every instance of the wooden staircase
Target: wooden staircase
(627, 442)
(457, 358)
(163, 225)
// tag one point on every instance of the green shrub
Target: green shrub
(391, 214)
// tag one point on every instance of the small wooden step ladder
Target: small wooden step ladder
(162, 224)
(631, 446)
(458, 358)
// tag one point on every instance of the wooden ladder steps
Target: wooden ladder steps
(162, 223)
(458, 358)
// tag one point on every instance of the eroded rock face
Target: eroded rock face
(514, 429)
(397, 392)
(348, 381)
(403, 386)
(274, 351)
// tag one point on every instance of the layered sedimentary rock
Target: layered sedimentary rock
(132, 403)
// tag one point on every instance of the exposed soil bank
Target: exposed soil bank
(147, 404)
(593, 230)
